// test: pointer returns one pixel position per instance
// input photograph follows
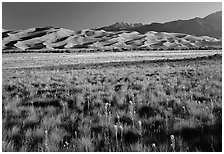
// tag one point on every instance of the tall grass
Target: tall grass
(169, 106)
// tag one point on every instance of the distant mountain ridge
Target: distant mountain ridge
(120, 26)
(210, 25)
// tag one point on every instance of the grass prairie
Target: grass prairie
(158, 106)
(38, 60)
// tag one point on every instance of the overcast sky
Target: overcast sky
(85, 15)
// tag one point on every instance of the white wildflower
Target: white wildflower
(116, 129)
(153, 145)
(172, 142)
(118, 118)
(140, 124)
(121, 127)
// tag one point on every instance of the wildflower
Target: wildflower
(107, 105)
(184, 108)
(132, 117)
(140, 124)
(154, 147)
(115, 126)
(106, 111)
(121, 127)
(46, 132)
(66, 144)
(172, 138)
(76, 134)
(46, 140)
(118, 118)
(131, 107)
(140, 127)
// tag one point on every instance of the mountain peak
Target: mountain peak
(120, 26)
(210, 25)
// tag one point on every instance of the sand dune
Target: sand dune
(61, 38)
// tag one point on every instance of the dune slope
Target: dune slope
(61, 38)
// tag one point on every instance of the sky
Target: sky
(86, 15)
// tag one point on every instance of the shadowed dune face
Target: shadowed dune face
(60, 38)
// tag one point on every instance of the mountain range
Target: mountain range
(175, 34)
(120, 26)
(210, 25)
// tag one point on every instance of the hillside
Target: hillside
(210, 25)
(120, 26)
(61, 38)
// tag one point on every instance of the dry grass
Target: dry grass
(29, 60)
(164, 106)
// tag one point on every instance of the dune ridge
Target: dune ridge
(61, 38)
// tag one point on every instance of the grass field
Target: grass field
(29, 60)
(143, 106)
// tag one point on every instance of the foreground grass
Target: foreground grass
(167, 106)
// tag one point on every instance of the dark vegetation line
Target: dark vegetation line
(79, 49)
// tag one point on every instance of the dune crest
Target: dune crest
(61, 38)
